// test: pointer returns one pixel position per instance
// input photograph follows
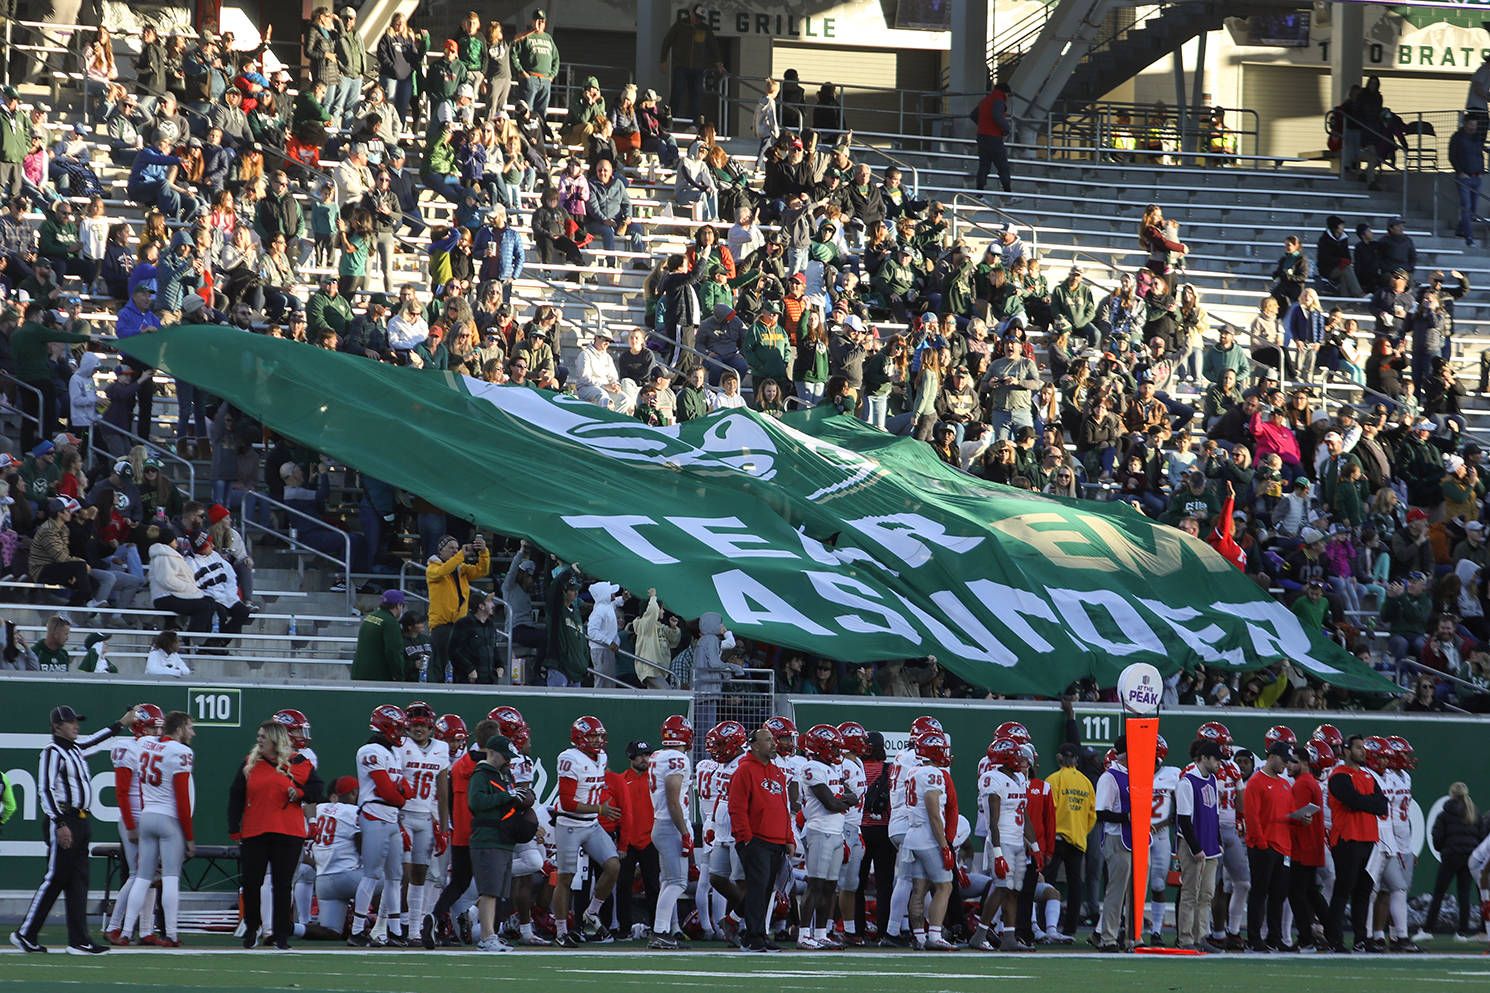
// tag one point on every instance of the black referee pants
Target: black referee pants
(67, 874)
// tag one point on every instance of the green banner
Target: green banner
(1441, 742)
(816, 532)
(227, 716)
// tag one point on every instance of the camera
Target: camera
(472, 556)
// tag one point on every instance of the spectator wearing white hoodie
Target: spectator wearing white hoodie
(83, 396)
(173, 586)
(604, 627)
(165, 657)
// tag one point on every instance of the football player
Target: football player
(125, 756)
(577, 829)
(165, 764)
(825, 801)
(334, 847)
(851, 770)
(927, 852)
(1161, 841)
(1396, 833)
(1002, 791)
(703, 785)
(381, 793)
(905, 762)
(527, 858)
(725, 871)
(426, 814)
(669, 775)
(1331, 736)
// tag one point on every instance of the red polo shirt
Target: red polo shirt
(1268, 800)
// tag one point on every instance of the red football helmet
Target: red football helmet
(389, 721)
(1109, 758)
(934, 748)
(1216, 731)
(297, 724)
(1321, 757)
(677, 733)
(151, 720)
(452, 730)
(923, 724)
(1014, 731)
(1004, 753)
(855, 738)
(731, 736)
(1401, 753)
(588, 735)
(823, 743)
(420, 712)
(785, 733)
(1377, 753)
(1330, 735)
(508, 719)
(1277, 733)
(1161, 749)
(692, 925)
(711, 743)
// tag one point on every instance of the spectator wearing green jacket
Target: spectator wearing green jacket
(1072, 306)
(535, 63)
(767, 349)
(568, 648)
(1407, 610)
(28, 350)
(1225, 354)
(15, 141)
(379, 656)
(494, 802)
(327, 310)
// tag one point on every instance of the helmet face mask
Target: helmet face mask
(1277, 733)
(589, 736)
(421, 715)
(390, 721)
(934, 748)
(451, 729)
(297, 725)
(1004, 753)
(1330, 735)
(1161, 750)
(1217, 732)
(855, 738)
(823, 743)
(729, 738)
(151, 720)
(785, 734)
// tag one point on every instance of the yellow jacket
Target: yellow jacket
(1075, 805)
(450, 586)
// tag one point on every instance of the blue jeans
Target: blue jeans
(1469, 202)
(796, 260)
(607, 236)
(875, 409)
(341, 99)
(447, 187)
(536, 90)
(400, 93)
(191, 411)
(165, 196)
(689, 83)
(736, 362)
(1005, 422)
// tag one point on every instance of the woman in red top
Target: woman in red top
(266, 819)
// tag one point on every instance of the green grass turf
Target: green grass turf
(625, 967)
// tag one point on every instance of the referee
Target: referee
(66, 792)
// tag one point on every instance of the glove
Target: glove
(709, 837)
(1001, 867)
(687, 844)
(549, 869)
(963, 880)
(1039, 860)
(949, 861)
(442, 841)
(408, 842)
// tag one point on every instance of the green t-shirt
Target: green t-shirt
(51, 660)
(354, 263)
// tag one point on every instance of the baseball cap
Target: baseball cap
(638, 747)
(539, 15)
(1474, 526)
(1282, 748)
(392, 597)
(349, 12)
(63, 714)
(344, 784)
(1333, 436)
(1121, 744)
(43, 448)
(60, 503)
(1416, 514)
(67, 438)
(498, 743)
(451, 45)
(528, 566)
(1208, 749)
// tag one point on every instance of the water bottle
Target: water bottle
(424, 668)
(449, 673)
(292, 625)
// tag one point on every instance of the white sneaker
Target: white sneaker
(95, 604)
(493, 944)
(1422, 936)
(638, 932)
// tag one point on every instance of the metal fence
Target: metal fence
(725, 695)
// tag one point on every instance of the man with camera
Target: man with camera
(449, 574)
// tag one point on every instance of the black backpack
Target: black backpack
(877, 796)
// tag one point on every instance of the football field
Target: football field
(622, 969)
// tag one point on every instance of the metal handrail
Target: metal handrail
(981, 204)
(41, 403)
(915, 173)
(248, 521)
(161, 450)
(630, 655)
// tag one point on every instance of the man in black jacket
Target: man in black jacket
(1332, 258)
(473, 643)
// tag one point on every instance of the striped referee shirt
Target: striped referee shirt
(66, 784)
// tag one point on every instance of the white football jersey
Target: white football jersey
(818, 817)
(1400, 799)
(521, 770)
(915, 786)
(422, 768)
(334, 840)
(1166, 781)
(851, 771)
(720, 814)
(589, 782)
(373, 757)
(1324, 787)
(1385, 831)
(1012, 790)
(904, 764)
(662, 765)
(160, 759)
(703, 782)
(309, 754)
(792, 765)
(125, 754)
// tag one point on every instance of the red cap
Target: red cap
(450, 45)
(1416, 515)
(799, 278)
(346, 784)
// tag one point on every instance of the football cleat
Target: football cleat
(534, 940)
(361, 940)
(567, 940)
(663, 943)
(939, 945)
(115, 937)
